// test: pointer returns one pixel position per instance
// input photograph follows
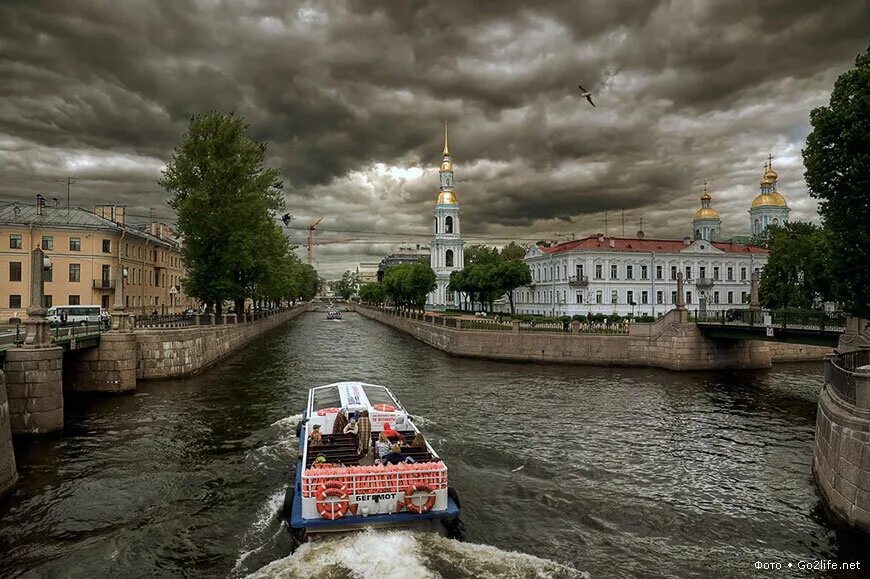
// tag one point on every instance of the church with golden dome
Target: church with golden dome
(447, 252)
(706, 223)
(769, 207)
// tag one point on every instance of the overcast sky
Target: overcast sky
(351, 97)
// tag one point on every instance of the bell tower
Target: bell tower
(447, 253)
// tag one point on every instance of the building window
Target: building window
(47, 242)
(673, 272)
(730, 297)
(730, 273)
(629, 297)
(48, 273)
(702, 272)
(15, 301)
(74, 300)
(716, 273)
(644, 297)
(75, 272)
(448, 225)
(107, 246)
(629, 272)
(15, 241)
(598, 273)
(688, 272)
(644, 272)
(673, 297)
(742, 274)
(688, 297)
(448, 258)
(715, 297)
(46, 301)
(744, 297)
(75, 243)
(660, 298)
(579, 298)
(599, 297)
(658, 272)
(614, 271)
(14, 271)
(614, 296)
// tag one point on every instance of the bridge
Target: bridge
(793, 326)
(68, 336)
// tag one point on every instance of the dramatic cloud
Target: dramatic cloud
(351, 96)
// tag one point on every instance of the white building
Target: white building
(447, 253)
(606, 275)
(367, 272)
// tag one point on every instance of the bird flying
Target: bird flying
(586, 93)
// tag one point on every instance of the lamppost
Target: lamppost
(37, 334)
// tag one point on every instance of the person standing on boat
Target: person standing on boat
(364, 434)
(340, 421)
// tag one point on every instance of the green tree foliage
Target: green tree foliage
(837, 159)
(490, 275)
(372, 293)
(407, 285)
(225, 199)
(513, 251)
(346, 286)
(796, 274)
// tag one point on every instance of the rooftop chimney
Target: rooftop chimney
(612, 243)
(40, 204)
(600, 237)
(111, 212)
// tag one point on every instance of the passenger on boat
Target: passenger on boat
(340, 421)
(316, 437)
(395, 456)
(382, 445)
(419, 441)
(364, 434)
(351, 428)
(391, 433)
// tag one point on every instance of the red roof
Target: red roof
(645, 245)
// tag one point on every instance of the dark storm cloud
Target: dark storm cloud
(351, 96)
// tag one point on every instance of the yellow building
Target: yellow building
(85, 248)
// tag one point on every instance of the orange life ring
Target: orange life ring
(330, 509)
(409, 495)
(326, 411)
(384, 407)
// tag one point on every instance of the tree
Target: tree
(226, 201)
(408, 284)
(346, 286)
(837, 161)
(372, 293)
(480, 254)
(510, 275)
(796, 274)
(513, 252)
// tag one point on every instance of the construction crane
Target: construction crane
(311, 228)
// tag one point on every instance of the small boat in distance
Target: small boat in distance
(333, 315)
(340, 485)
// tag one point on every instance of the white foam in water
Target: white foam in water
(289, 422)
(265, 516)
(401, 555)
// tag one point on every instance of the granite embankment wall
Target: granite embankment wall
(671, 343)
(781, 352)
(179, 352)
(8, 472)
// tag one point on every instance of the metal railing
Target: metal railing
(164, 321)
(783, 319)
(840, 373)
(485, 325)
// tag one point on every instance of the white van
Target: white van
(76, 314)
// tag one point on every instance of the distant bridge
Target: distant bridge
(794, 326)
(69, 337)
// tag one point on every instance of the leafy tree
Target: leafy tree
(346, 286)
(510, 275)
(796, 274)
(407, 285)
(372, 293)
(225, 199)
(837, 159)
(480, 254)
(513, 252)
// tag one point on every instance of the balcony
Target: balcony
(704, 282)
(578, 281)
(104, 284)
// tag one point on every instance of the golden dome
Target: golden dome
(447, 198)
(774, 198)
(706, 213)
(446, 165)
(706, 197)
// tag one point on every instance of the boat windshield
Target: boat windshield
(326, 398)
(378, 395)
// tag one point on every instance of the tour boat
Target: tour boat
(336, 490)
(333, 315)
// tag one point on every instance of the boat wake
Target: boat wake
(402, 554)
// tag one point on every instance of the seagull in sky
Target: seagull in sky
(586, 93)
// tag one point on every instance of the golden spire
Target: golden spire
(705, 196)
(446, 148)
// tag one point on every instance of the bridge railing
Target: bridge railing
(164, 321)
(68, 331)
(783, 318)
(840, 373)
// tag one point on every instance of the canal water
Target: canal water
(563, 471)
